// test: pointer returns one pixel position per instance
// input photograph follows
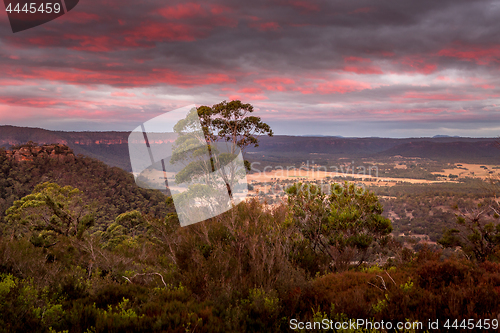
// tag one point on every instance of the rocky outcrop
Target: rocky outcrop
(30, 151)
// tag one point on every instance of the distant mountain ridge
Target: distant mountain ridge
(112, 147)
(23, 167)
(445, 136)
(479, 150)
(449, 148)
(13, 135)
(109, 147)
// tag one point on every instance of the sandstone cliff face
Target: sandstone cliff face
(5, 142)
(29, 152)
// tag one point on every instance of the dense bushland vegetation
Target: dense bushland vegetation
(241, 271)
(84, 250)
(111, 189)
(430, 209)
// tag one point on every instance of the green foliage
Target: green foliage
(407, 287)
(200, 147)
(251, 269)
(342, 226)
(230, 121)
(426, 209)
(241, 249)
(113, 189)
(125, 229)
(232, 274)
(49, 211)
(6, 284)
(477, 232)
(190, 147)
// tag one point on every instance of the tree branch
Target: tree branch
(143, 274)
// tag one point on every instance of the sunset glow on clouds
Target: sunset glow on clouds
(352, 68)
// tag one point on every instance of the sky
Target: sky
(357, 68)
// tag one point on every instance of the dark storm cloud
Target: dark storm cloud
(275, 35)
(380, 60)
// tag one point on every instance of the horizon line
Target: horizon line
(437, 136)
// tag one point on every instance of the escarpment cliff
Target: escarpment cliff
(30, 151)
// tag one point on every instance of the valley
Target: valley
(418, 180)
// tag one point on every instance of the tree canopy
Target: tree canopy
(341, 226)
(229, 122)
(50, 210)
(477, 231)
(210, 146)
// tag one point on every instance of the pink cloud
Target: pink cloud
(37, 102)
(418, 64)
(91, 43)
(266, 26)
(341, 87)
(438, 96)
(387, 54)
(116, 77)
(87, 42)
(122, 94)
(275, 83)
(250, 90)
(352, 59)
(408, 111)
(166, 31)
(443, 78)
(363, 69)
(484, 86)
(478, 54)
(360, 65)
(246, 97)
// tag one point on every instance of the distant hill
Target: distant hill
(345, 147)
(478, 151)
(109, 147)
(451, 149)
(445, 136)
(112, 147)
(321, 136)
(113, 189)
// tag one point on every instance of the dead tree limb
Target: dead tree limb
(143, 274)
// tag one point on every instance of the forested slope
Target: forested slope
(112, 189)
(251, 269)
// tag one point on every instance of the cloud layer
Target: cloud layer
(352, 68)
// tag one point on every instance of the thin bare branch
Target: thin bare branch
(144, 274)
(383, 282)
(390, 277)
(371, 284)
